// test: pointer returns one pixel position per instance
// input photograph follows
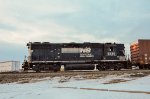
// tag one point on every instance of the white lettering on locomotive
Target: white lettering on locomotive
(85, 52)
(111, 54)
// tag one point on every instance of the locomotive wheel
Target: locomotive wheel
(56, 67)
(102, 67)
(105, 66)
(37, 68)
(117, 66)
(148, 66)
(99, 67)
(25, 69)
(141, 67)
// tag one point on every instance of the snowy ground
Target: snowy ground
(80, 88)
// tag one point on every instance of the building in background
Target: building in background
(140, 52)
(9, 66)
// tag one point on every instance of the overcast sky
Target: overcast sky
(21, 21)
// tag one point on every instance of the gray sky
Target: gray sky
(21, 21)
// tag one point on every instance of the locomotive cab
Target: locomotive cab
(110, 52)
(113, 58)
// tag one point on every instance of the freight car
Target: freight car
(75, 56)
(140, 53)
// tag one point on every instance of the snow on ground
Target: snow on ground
(70, 88)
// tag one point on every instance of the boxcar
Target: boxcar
(140, 53)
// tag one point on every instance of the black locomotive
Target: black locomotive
(75, 56)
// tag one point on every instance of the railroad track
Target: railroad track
(15, 77)
(76, 71)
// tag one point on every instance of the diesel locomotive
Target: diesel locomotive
(46, 56)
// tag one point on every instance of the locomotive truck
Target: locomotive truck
(46, 56)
